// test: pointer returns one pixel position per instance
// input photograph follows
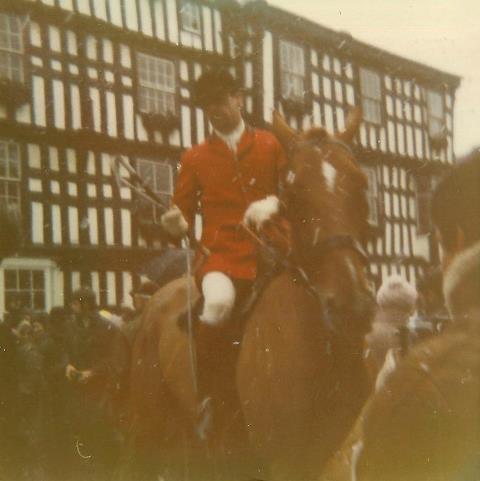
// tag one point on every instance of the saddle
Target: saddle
(247, 297)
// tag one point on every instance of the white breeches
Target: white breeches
(219, 294)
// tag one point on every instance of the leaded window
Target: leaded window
(26, 285)
(292, 67)
(156, 84)
(371, 91)
(372, 196)
(11, 48)
(159, 177)
(436, 123)
(423, 197)
(190, 17)
(10, 173)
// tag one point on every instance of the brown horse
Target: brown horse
(300, 376)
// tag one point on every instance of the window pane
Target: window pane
(25, 279)
(157, 84)
(163, 183)
(39, 301)
(10, 277)
(38, 280)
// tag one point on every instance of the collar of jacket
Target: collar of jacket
(461, 281)
(232, 139)
(246, 142)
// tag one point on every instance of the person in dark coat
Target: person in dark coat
(96, 361)
(32, 405)
(10, 242)
(8, 398)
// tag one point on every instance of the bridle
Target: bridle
(337, 241)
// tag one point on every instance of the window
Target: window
(9, 173)
(371, 96)
(372, 196)
(157, 84)
(11, 48)
(435, 114)
(26, 285)
(292, 66)
(423, 195)
(190, 17)
(159, 177)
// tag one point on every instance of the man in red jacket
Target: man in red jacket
(235, 174)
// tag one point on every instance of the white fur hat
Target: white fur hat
(396, 292)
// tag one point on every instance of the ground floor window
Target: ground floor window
(28, 286)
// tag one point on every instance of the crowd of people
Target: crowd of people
(64, 378)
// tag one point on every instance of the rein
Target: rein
(300, 273)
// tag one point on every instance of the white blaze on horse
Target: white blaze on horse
(298, 381)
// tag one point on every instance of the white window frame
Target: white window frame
(11, 50)
(292, 70)
(152, 181)
(436, 113)
(372, 196)
(10, 179)
(53, 285)
(190, 18)
(371, 92)
(156, 84)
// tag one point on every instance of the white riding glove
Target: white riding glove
(174, 223)
(261, 211)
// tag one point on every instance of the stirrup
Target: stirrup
(204, 424)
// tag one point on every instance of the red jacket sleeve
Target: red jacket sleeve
(187, 188)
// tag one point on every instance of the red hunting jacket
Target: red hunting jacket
(226, 184)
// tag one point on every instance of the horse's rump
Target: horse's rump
(160, 358)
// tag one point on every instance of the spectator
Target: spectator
(33, 419)
(387, 340)
(15, 311)
(95, 366)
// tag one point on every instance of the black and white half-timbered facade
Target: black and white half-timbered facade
(84, 81)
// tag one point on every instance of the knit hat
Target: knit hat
(396, 292)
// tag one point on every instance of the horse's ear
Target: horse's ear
(354, 118)
(284, 133)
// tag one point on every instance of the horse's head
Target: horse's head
(328, 208)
